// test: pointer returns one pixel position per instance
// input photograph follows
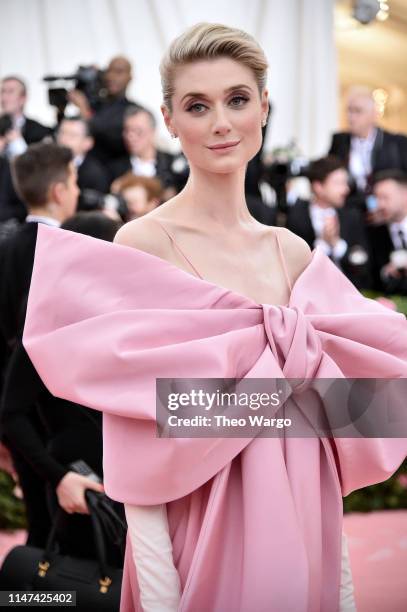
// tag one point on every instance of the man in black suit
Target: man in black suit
(46, 180)
(366, 148)
(11, 207)
(324, 221)
(74, 133)
(13, 98)
(23, 131)
(143, 158)
(388, 239)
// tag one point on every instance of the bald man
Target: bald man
(366, 148)
(106, 120)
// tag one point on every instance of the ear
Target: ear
(89, 143)
(167, 118)
(57, 192)
(316, 187)
(265, 103)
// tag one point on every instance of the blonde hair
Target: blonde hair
(205, 41)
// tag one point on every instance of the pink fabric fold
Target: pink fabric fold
(255, 523)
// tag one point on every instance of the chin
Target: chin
(226, 168)
(228, 165)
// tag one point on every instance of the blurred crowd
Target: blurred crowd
(101, 167)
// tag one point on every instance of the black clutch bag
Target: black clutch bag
(97, 584)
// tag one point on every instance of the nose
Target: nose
(221, 123)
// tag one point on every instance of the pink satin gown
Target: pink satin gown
(255, 524)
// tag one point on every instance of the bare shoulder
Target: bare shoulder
(296, 252)
(144, 234)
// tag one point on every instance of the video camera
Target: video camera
(88, 79)
(6, 124)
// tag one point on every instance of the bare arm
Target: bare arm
(296, 251)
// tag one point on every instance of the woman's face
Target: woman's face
(217, 103)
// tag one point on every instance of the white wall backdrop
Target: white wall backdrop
(39, 37)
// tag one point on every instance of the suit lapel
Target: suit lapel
(378, 145)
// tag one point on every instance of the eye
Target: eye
(238, 100)
(196, 107)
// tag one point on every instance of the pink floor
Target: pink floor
(378, 552)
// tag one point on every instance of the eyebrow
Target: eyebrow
(197, 94)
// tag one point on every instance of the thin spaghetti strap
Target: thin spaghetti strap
(287, 277)
(179, 249)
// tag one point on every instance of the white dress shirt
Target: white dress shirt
(141, 167)
(360, 158)
(78, 161)
(42, 219)
(318, 216)
(18, 145)
(395, 229)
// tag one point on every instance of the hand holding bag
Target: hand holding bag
(97, 584)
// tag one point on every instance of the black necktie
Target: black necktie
(402, 239)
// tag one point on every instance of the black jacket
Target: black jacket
(93, 175)
(11, 207)
(351, 229)
(389, 152)
(16, 263)
(73, 431)
(106, 127)
(164, 165)
(381, 246)
(34, 132)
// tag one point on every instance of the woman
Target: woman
(242, 524)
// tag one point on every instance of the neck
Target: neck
(321, 203)
(48, 210)
(400, 216)
(116, 96)
(215, 199)
(147, 155)
(17, 115)
(366, 133)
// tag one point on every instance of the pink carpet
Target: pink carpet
(378, 553)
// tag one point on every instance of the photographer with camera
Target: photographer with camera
(105, 116)
(389, 237)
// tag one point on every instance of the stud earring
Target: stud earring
(173, 135)
(264, 122)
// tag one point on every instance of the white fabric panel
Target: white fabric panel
(280, 40)
(316, 103)
(38, 37)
